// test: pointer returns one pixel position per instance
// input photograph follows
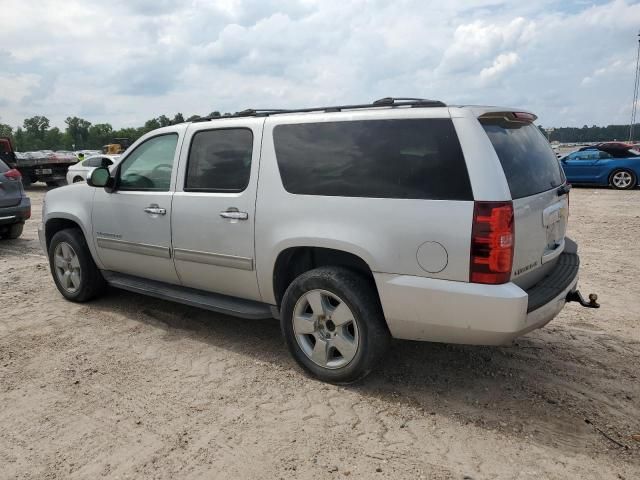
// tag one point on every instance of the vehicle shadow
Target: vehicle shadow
(556, 386)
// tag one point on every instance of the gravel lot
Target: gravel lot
(133, 387)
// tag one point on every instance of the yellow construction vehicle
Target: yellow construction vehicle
(118, 146)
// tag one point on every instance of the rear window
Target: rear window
(409, 158)
(97, 162)
(527, 158)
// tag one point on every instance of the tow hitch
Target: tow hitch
(576, 296)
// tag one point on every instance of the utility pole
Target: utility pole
(635, 93)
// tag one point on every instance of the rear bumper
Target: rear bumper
(16, 214)
(418, 308)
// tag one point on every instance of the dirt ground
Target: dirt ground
(133, 387)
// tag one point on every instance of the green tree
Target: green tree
(6, 130)
(164, 121)
(178, 118)
(100, 134)
(36, 126)
(53, 139)
(193, 117)
(78, 130)
(19, 137)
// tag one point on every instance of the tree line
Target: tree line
(592, 134)
(36, 132)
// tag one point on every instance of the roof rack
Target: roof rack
(382, 102)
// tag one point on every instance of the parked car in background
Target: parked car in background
(352, 224)
(606, 164)
(15, 206)
(81, 170)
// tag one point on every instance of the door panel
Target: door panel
(130, 240)
(214, 206)
(581, 166)
(132, 226)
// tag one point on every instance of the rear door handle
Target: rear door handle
(155, 210)
(234, 214)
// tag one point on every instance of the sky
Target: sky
(125, 61)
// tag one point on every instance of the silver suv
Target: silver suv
(403, 218)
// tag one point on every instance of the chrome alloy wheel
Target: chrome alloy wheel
(325, 329)
(67, 267)
(622, 179)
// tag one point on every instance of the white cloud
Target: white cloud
(501, 64)
(129, 60)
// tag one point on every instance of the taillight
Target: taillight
(13, 174)
(492, 238)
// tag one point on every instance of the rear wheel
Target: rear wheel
(622, 180)
(333, 324)
(74, 271)
(78, 179)
(13, 231)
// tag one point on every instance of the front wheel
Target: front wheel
(333, 324)
(622, 180)
(75, 273)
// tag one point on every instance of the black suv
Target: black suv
(15, 206)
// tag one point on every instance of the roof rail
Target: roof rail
(382, 102)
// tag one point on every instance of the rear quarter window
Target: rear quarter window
(408, 158)
(527, 159)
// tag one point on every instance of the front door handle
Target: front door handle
(234, 214)
(155, 210)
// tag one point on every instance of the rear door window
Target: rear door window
(219, 160)
(527, 158)
(93, 162)
(408, 158)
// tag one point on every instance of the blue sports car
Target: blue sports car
(602, 165)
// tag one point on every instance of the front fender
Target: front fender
(73, 203)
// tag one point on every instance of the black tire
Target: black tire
(92, 283)
(26, 182)
(56, 183)
(78, 179)
(630, 186)
(359, 294)
(13, 231)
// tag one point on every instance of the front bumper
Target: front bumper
(17, 214)
(418, 308)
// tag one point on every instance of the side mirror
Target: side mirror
(100, 177)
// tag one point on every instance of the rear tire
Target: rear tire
(78, 179)
(333, 324)
(622, 179)
(13, 232)
(75, 273)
